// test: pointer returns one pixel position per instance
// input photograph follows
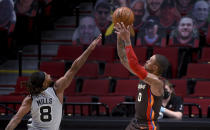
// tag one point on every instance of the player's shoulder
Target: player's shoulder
(27, 100)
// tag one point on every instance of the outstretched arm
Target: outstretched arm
(23, 110)
(64, 81)
(132, 61)
(122, 53)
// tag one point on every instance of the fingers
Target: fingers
(119, 27)
(98, 39)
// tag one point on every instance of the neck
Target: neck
(165, 101)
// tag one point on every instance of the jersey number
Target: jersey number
(139, 97)
(45, 113)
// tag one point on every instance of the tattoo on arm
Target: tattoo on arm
(121, 50)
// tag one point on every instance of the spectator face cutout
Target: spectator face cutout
(154, 5)
(200, 11)
(26, 3)
(87, 29)
(102, 14)
(151, 28)
(185, 28)
(184, 3)
(138, 10)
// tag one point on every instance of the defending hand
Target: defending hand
(95, 42)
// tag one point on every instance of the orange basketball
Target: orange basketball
(123, 14)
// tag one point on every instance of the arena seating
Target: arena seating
(115, 70)
(180, 86)
(172, 54)
(67, 52)
(54, 68)
(197, 70)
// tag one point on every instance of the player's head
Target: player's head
(157, 64)
(38, 82)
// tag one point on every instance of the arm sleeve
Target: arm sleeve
(133, 63)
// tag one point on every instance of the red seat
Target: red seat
(180, 86)
(67, 52)
(126, 87)
(205, 55)
(71, 90)
(55, 69)
(202, 102)
(200, 71)
(172, 54)
(103, 53)
(202, 89)
(111, 101)
(10, 98)
(78, 99)
(141, 53)
(20, 88)
(95, 87)
(88, 70)
(116, 70)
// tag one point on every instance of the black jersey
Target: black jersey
(147, 106)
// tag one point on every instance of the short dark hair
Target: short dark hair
(35, 83)
(162, 63)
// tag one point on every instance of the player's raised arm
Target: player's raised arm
(151, 79)
(23, 110)
(64, 81)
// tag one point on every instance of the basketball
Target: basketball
(123, 14)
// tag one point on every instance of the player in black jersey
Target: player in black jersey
(151, 87)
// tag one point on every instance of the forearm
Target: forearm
(78, 63)
(173, 114)
(122, 54)
(13, 123)
(133, 63)
(121, 50)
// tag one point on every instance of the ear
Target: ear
(155, 68)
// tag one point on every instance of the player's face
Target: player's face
(154, 5)
(48, 80)
(86, 30)
(185, 27)
(149, 65)
(201, 11)
(184, 3)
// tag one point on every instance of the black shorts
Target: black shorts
(139, 125)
